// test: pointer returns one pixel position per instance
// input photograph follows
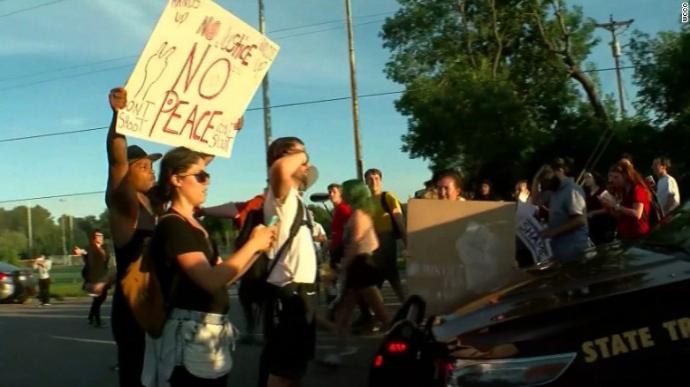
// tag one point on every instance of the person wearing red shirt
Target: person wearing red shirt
(341, 214)
(632, 207)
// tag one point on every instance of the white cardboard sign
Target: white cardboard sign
(195, 78)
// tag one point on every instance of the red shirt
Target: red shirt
(341, 214)
(631, 228)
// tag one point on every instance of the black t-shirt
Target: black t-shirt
(175, 236)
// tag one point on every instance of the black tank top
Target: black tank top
(128, 253)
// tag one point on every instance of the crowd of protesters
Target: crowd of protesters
(366, 234)
(577, 215)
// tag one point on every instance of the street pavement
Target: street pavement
(54, 346)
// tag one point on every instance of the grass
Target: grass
(66, 281)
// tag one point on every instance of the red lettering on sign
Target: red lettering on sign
(225, 81)
(189, 63)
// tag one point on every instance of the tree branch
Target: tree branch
(573, 68)
(468, 38)
(497, 36)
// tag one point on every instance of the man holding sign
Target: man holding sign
(567, 212)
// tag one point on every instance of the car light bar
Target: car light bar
(396, 347)
(532, 371)
(378, 361)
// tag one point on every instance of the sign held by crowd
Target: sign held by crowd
(195, 78)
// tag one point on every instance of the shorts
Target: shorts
(199, 342)
(289, 330)
(362, 274)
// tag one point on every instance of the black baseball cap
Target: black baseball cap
(134, 153)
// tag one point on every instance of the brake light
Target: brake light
(3, 276)
(378, 361)
(396, 347)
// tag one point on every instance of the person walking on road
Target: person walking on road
(97, 280)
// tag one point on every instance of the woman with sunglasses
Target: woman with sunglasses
(194, 349)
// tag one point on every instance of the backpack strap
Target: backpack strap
(294, 229)
(384, 205)
(168, 298)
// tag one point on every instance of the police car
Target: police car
(619, 318)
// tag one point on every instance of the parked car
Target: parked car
(619, 318)
(17, 284)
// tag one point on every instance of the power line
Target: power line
(66, 77)
(52, 196)
(53, 134)
(329, 29)
(21, 85)
(29, 75)
(330, 22)
(291, 104)
(31, 8)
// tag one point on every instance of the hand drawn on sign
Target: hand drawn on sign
(155, 66)
(181, 17)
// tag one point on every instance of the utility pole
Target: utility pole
(613, 26)
(30, 231)
(71, 231)
(64, 240)
(353, 86)
(264, 84)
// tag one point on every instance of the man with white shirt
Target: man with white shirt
(289, 329)
(43, 264)
(667, 192)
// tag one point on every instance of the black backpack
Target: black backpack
(255, 277)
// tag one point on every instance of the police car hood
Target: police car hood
(611, 273)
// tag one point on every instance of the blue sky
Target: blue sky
(91, 45)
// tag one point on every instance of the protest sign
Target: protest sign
(459, 250)
(529, 231)
(195, 78)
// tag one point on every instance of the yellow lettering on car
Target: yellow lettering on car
(646, 338)
(684, 325)
(677, 329)
(590, 354)
(617, 344)
(633, 340)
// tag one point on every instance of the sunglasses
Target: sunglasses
(201, 176)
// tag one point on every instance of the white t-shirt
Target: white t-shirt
(298, 264)
(43, 266)
(318, 231)
(664, 187)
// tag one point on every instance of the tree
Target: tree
(487, 82)
(661, 73)
(12, 243)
